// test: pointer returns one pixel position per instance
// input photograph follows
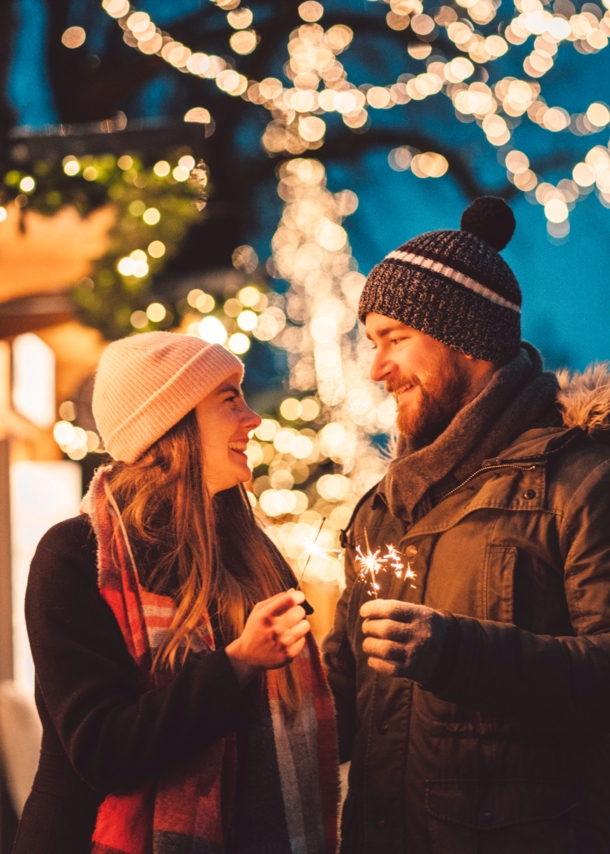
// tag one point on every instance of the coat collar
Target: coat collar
(534, 447)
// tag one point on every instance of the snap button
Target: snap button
(383, 727)
(411, 550)
(381, 822)
(485, 817)
(529, 494)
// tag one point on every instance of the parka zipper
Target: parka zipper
(482, 471)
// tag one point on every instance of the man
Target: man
(473, 691)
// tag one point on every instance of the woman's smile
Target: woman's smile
(225, 420)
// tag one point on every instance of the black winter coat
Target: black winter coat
(102, 732)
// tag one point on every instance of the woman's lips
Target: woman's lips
(238, 447)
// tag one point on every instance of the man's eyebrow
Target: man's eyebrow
(382, 333)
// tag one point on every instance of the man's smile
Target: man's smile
(401, 393)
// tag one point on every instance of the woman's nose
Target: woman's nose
(251, 419)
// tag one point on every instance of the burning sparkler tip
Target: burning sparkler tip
(372, 563)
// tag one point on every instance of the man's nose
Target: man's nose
(381, 369)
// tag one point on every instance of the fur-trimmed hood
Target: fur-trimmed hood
(584, 398)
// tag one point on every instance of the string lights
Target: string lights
(333, 409)
(496, 106)
(297, 124)
(329, 360)
(140, 32)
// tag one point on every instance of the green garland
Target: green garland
(107, 299)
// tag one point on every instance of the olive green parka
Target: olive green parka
(509, 753)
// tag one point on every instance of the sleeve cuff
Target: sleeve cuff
(448, 657)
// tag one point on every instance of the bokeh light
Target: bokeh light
(73, 37)
(212, 330)
(156, 249)
(156, 312)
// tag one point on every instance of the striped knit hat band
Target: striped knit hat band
(450, 273)
(454, 286)
(147, 383)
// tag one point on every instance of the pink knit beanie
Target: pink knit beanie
(146, 383)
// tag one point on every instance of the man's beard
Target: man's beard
(441, 398)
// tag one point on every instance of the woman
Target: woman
(183, 704)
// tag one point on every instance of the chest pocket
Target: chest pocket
(499, 583)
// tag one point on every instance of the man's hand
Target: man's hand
(403, 639)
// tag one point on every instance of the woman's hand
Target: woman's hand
(274, 634)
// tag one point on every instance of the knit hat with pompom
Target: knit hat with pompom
(146, 383)
(454, 286)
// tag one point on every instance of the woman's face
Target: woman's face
(224, 421)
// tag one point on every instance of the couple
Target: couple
(183, 701)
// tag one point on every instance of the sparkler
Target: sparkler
(311, 550)
(314, 550)
(372, 563)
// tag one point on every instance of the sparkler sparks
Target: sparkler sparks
(312, 549)
(410, 574)
(372, 563)
(392, 558)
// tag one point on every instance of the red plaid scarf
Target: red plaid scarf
(188, 812)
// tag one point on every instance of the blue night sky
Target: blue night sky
(566, 285)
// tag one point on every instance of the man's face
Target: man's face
(430, 381)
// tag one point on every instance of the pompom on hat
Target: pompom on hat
(146, 383)
(454, 286)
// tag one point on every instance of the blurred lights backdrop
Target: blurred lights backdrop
(470, 63)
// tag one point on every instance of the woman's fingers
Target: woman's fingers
(288, 638)
(295, 650)
(277, 605)
(291, 618)
(264, 603)
(274, 634)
